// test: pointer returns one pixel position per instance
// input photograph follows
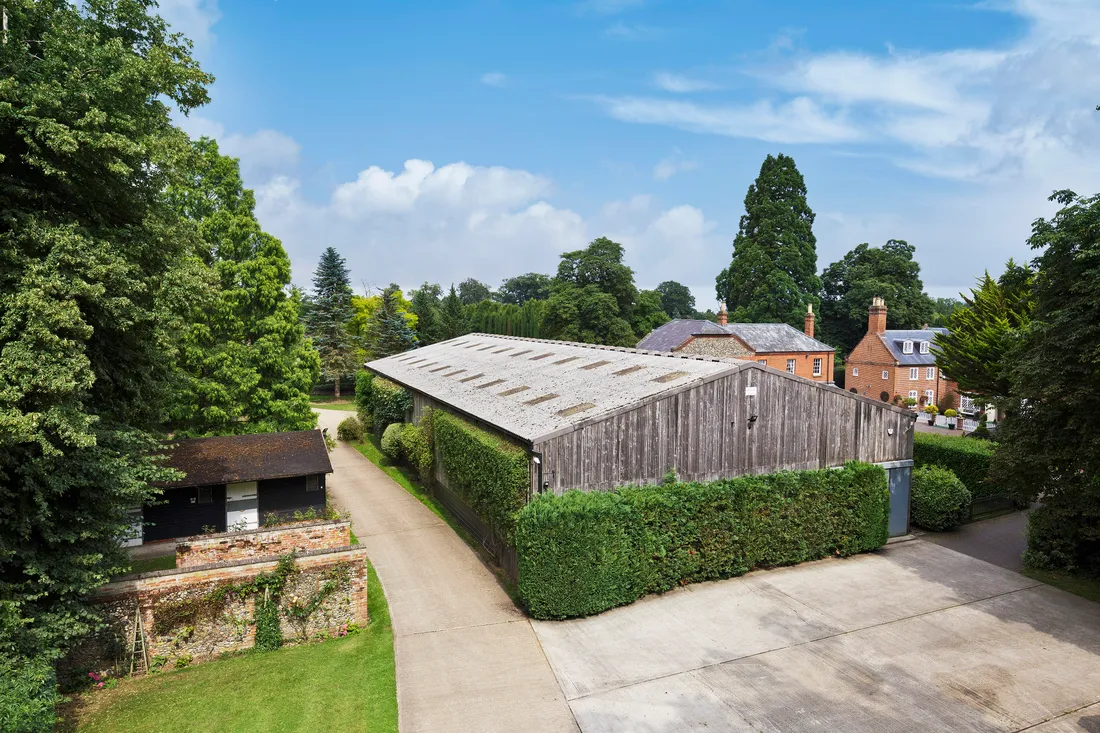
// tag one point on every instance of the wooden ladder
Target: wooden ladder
(139, 655)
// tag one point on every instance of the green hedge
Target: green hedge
(415, 451)
(489, 472)
(584, 552)
(967, 458)
(391, 441)
(939, 501)
(349, 429)
(380, 402)
(28, 695)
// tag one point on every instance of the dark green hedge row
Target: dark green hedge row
(967, 458)
(488, 471)
(380, 402)
(28, 695)
(584, 552)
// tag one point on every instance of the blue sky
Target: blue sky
(444, 140)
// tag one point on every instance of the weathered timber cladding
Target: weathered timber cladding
(704, 433)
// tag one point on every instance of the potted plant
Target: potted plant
(910, 402)
(950, 415)
(932, 411)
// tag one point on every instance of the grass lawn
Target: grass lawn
(1085, 587)
(328, 403)
(338, 685)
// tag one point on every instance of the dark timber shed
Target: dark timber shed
(596, 417)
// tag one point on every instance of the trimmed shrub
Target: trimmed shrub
(488, 471)
(28, 695)
(415, 450)
(967, 459)
(939, 500)
(582, 553)
(349, 429)
(383, 401)
(391, 441)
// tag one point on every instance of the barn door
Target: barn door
(242, 506)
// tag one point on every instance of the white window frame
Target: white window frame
(762, 361)
(907, 347)
(791, 365)
(855, 371)
(912, 394)
(924, 347)
(930, 395)
(885, 374)
(930, 373)
(914, 373)
(817, 367)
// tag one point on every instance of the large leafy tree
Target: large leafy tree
(592, 299)
(368, 309)
(246, 364)
(389, 331)
(473, 291)
(329, 317)
(648, 312)
(92, 262)
(425, 303)
(1050, 442)
(849, 284)
(978, 350)
(452, 314)
(773, 274)
(676, 299)
(522, 288)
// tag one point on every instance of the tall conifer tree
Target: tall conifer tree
(329, 317)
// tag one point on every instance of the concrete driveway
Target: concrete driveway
(916, 637)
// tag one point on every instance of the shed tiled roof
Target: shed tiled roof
(534, 388)
(763, 338)
(231, 458)
(896, 338)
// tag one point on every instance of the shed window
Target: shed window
(930, 373)
(885, 374)
(914, 373)
(313, 483)
(762, 361)
(817, 367)
(907, 347)
(206, 495)
(924, 347)
(855, 371)
(790, 366)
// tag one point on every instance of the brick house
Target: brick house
(776, 345)
(901, 362)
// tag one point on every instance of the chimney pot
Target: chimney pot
(723, 317)
(808, 321)
(876, 316)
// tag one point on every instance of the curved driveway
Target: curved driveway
(467, 658)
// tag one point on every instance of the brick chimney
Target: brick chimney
(876, 316)
(723, 317)
(808, 321)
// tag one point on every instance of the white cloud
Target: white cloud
(801, 120)
(262, 153)
(672, 165)
(494, 79)
(682, 84)
(192, 18)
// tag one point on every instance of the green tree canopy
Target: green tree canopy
(601, 264)
(676, 299)
(978, 351)
(773, 274)
(389, 332)
(942, 308)
(93, 262)
(592, 299)
(453, 316)
(522, 288)
(329, 318)
(425, 303)
(648, 312)
(1050, 442)
(473, 291)
(849, 284)
(246, 365)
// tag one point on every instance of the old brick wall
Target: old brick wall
(181, 620)
(871, 357)
(803, 363)
(261, 543)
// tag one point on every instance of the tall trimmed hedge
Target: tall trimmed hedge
(584, 552)
(967, 458)
(383, 401)
(489, 472)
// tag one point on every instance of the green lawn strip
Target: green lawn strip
(338, 685)
(327, 403)
(149, 564)
(406, 479)
(1085, 587)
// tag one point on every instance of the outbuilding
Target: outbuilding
(596, 417)
(236, 481)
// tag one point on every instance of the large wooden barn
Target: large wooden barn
(596, 417)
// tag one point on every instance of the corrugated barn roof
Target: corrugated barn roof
(533, 388)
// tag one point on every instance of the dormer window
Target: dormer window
(924, 347)
(907, 347)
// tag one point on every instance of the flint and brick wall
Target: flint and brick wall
(229, 625)
(261, 543)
